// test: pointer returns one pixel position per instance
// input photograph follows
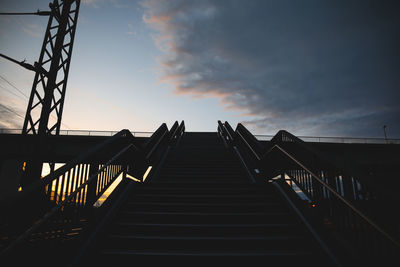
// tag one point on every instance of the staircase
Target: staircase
(201, 207)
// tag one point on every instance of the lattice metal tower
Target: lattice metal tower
(46, 102)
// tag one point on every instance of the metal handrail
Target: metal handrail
(260, 137)
(180, 132)
(70, 196)
(181, 129)
(333, 191)
(83, 132)
(175, 135)
(336, 139)
(164, 131)
(81, 183)
(176, 131)
(327, 186)
(123, 133)
(229, 130)
(173, 131)
(38, 184)
(250, 147)
(347, 204)
(59, 205)
(364, 178)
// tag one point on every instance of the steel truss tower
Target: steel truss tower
(46, 102)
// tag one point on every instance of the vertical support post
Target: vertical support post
(347, 187)
(283, 179)
(125, 171)
(92, 186)
(317, 187)
(33, 171)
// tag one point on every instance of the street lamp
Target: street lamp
(384, 132)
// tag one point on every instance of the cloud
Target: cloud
(132, 30)
(33, 30)
(9, 118)
(114, 3)
(90, 2)
(314, 67)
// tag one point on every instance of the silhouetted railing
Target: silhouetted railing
(70, 177)
(332, 196)
(179, 132)
(82, 132)
(352, 183)
(341, 215)
(336, 139)
(250, 154)
(259, 137)
(72, 189)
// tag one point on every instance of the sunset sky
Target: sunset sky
(323, 68)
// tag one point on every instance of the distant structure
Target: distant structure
(384, 131)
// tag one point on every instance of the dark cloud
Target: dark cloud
(311, 67)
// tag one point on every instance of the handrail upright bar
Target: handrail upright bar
(173, 138)
(161, 131)
(181, 131)
(250, 138)
(229, 137)
(173, 131)
(222, 133)
(220, 126)
(258, 157)
(229, 131)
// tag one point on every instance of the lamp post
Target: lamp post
(384, 132)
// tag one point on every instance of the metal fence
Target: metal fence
(81, 132)
(260, 137)
(331, 139)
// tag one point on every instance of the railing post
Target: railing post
(348, 187)
(317, 188)
(92, 186)
(125, 171)
(283, 178)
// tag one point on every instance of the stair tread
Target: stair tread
(204, 213)
(188, 181)
(205, 252)
(205, 225)
(203, 237)
(246, 204)
(202, 204)
(202, 195)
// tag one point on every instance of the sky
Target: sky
(315, 67)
